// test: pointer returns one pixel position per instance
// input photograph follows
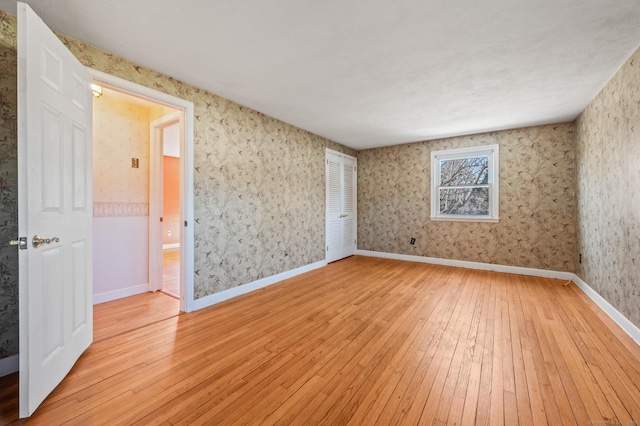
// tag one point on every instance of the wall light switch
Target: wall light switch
(134, 163)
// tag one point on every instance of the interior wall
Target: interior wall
(171, 200)
(120, 133)
(537, 201)
(608, 168)
(258, 183)
(120, 197)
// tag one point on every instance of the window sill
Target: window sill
(465, 219)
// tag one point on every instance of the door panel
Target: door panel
(54, 199)
(79, 164)
(349, 208)
(50, 158)
(81, 312)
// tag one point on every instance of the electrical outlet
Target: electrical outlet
(135, 163)
(412, 241)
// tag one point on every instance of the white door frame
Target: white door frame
(328, 222)
(186, 172)
(156, 196)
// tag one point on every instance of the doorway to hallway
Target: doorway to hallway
(136, 183)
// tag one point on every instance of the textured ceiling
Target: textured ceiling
(370, 73)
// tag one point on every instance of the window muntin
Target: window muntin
(465, 184)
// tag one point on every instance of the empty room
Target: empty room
(265, 212)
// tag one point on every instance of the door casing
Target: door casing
(341, 221)
(186, 173)
(156, 196)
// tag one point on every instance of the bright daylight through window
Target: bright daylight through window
(464, 184)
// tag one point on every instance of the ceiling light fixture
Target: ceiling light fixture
(96, 90)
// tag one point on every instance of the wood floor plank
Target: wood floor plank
(519, 342)
(434, 395)
(561, 370)
(458, 371)
(497, 409)
(362, 341)
(405, 392)
(543, 408)
(485, 359)
(609, 373)
(472, 393)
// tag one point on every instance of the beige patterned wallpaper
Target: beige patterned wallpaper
(537, 202)
(120, 133)
(259, 183)
(608, 169)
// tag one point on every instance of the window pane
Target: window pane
(471, 201)
(465, 171)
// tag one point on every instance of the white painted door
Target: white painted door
(341, 205)
(55, 203)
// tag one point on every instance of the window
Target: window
(464, 184)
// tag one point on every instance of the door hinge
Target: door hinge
(161, 219)
(327, 248)
(185, 223)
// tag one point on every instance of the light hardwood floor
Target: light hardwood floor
(171, 272)
(366, 341)
(121, 316)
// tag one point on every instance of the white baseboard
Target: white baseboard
(629, 327)
(471, 265)
(9, 365)
(249, 287)
(119, 294)
(626, 325)
(170, 246)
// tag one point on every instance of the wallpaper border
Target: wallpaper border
(623, 322)
(120, 209)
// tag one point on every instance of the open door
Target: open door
(54, 209)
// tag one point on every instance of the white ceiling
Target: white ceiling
(370, 73)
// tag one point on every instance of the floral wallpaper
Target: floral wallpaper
(258, 183)
(608, 169)
(8, 187)
(120, 133)
(537, 201)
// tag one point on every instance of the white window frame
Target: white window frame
(490, 151)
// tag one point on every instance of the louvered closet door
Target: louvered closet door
(341, 212)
